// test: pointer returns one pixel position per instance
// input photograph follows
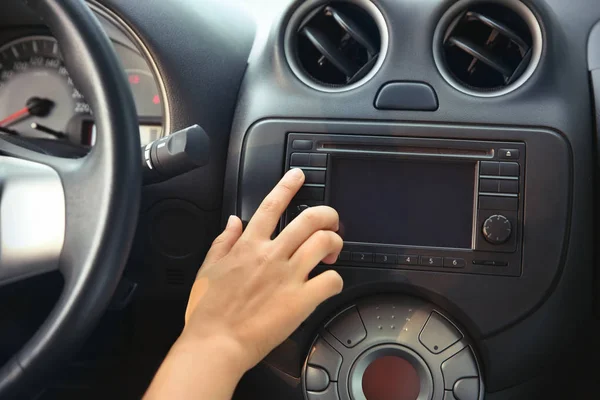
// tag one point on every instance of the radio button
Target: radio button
(491, 168)
(489, 185)
(509, 187)
(431, 261)
(294, 210)
(498, 203)
(362, 257)
(344, 256)
(408, 260)
(331, 393)
(450, 262)
(302, 144)
(385, 258)
(438, 334)
(466, 388)
(462, 365)
(509, 169)
(509, 154)
(318, 160)
(300, 160)
(314, 176)
(324, 356)
(348, 328)
(311, 193)
(317, 379)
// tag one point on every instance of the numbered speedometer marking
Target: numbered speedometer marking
(32, 68)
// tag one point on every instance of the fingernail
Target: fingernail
(295, 173)
(230, 221)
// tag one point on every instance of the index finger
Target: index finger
(266, 218)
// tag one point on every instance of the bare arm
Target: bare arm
(251, 293)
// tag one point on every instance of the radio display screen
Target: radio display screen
(403, 202)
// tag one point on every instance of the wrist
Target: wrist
(198, 369)
(225, 353)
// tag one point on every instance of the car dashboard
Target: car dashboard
(40, 100)
(456, 139)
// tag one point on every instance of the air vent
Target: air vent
(175, 276)
(337, 46)
(488, 48)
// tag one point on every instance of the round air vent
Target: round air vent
(488, 48)
(335, 46)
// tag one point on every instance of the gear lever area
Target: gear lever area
(392, 348)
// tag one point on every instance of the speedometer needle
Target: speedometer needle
(35, 107)
(15, 116)
(49, 131)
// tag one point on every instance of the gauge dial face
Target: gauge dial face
(145, 92)
(32, 68)
(36, 90)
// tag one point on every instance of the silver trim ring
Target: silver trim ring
(536, 34)
(355, 381)
(141, 46)
(292, 28)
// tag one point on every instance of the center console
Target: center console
(453, 235)
(392, 347)
(428, 204)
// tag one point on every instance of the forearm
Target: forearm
(250, 294)
(197, 369)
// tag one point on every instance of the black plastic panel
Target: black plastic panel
(500, 301)
(509, 317)
(418, 199)
(416, 96)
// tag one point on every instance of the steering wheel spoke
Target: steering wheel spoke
(18, 148)
(74, 215)
(36, 189)
(32, 218)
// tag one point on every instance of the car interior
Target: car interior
(457, 140)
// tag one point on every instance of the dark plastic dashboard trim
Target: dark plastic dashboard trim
(335, 126)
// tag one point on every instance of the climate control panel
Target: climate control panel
(392, 347)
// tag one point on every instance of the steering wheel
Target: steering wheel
(74, 215)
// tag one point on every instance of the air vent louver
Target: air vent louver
(491, 47)
(175, 276)
(336, 45)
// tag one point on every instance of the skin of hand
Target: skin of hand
(250, 294)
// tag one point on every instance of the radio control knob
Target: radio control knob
(497, 229)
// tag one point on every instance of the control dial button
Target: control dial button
(497, 229)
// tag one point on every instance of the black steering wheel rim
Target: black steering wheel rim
(101, 190)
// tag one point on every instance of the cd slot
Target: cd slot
(358, 148)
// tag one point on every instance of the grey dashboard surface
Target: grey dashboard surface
(213, 54)
(551, 100)
(556, 98)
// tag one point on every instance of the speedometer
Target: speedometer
(37, 96)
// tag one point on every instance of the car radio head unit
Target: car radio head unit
(450, 205)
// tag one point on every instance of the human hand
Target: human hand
(252, 292)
